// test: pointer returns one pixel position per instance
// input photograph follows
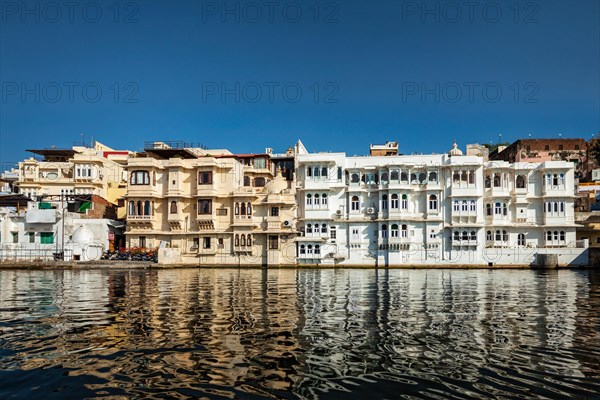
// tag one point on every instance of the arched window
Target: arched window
(549, 236)
(317, 249)
(243, 208)
(317, 200)
(147, 210)
(465, 206)
(456, 205)
(465, 236)
(422, 177)
(520, 182)
(561, 179)
(324, 171)
(488, 182)
(433, 176)
(404, 203)
(555, 235)
(354, 178)
(309, 249)
(324, 228)
(384, 231)
(394, 175)
(413, 177)
(140, 209)
(472, 205)
(504, 236)
(249, 240)
(394, 230)
(237, 209)
(463, 176)
(309, 199)
(131, 208)
(555, 180)
(384, 177)
(247, 181)
(308, 171)
(324, 199)
(309, 228)
(496, 180)
(456, 177)
(498, 235)
(473, 236)
(471, 177)
(237, 240)
(556, 207)
(488, 235)
(488, 209)
(384, 202)
(302, 249)
(404, 231)
(404, 176)
(498, 208)
(521, 239)
(173, 209)
(317, 229)
(394, 201)
(355, 203)
(456, 236)
(504, 209)
(562, 236)
(249, 209)
(316, 171)
(243, 240)
(433, 203)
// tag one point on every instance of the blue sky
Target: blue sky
(336, 74)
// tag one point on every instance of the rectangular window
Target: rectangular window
(143, 241)
(205, 178)
(260, 163)
(204, 206)
(273, 242)
(47, 237)
(221, 244)
(274, 211)
(221, 211)
(31, 237)
(206, 243)
(333, 232)
(15, 237)
(196, 243)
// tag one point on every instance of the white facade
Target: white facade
(434, 210)
(36, 234)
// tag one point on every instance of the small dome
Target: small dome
(278, 184)
(82, 234)
(455, 150)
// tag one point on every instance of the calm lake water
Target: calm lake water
(249, 334)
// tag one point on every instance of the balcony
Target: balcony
(464, 242)
(206, 191)
(323, 183)
(243, 220)
(497, 191)
(140, 218)
(464, 191)
(175, 217)
(554, 190)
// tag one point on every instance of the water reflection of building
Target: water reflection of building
(303, 331)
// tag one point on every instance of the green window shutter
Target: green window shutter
(47, 237)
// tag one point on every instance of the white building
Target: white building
(37, 234)
(441, 209)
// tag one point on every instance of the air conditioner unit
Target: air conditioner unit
(338, 212)
(370, 210)
(287, 223)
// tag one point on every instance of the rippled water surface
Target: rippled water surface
(300, 334)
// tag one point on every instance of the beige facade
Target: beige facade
(211, 207)
(97, 170)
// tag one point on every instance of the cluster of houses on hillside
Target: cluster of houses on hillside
(528, 203)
